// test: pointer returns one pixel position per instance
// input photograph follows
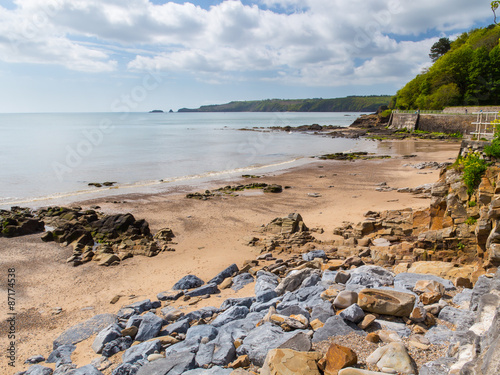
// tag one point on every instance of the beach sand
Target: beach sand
(209, 237)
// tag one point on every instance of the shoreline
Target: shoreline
(207, 180)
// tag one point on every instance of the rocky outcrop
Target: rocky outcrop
(105, 239)
(19, 222)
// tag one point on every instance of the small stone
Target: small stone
(316, 324)
(115, 299)
(227, 283)
(154, 357)
(430, 297)
(373, 337)
(367, 320)
(241, 361)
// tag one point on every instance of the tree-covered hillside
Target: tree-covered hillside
(468, 74)
(348, 104)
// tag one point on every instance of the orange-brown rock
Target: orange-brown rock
(338, 357)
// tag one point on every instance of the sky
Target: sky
(139, 55)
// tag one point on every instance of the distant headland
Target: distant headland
(347, 104)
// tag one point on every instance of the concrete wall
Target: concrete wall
(403, 121)
(447, 123)
(471, 109)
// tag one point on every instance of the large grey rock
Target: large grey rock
(323, 312)
(203, 290)
(201, 331)
(170, 295)
(174, 364)
(481, 287)
(241, 280)
(128, 368)
(303, 297)
(233, 313)
(38, 370)
(134, 320)
(118, 345)
(228, 272)
(328, 278)
(188, 282)
(312, 280)
(61, 355)
(313, 255)
(125, 313)
(85, 370)
(439, 334)
(238, 329)
(108, 334)
(260, 340)
(264, 306)
(220, 351)
(407, 280)
(83, 331)
(230, 302)
(371, 277)
(265, 281)
(463, 299)
(181, 326)
(140, 306)
(353, 313)
(460, 318)
(203, 313)
(266, 296)
(150, 327)
(293, 280)
(141, 351)
(300, 342)
(335, 326)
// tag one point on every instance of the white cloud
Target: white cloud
(319, 44)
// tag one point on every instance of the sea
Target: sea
(52, 157)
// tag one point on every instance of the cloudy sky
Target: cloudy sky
(137, 55)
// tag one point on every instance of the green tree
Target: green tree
(439, 48)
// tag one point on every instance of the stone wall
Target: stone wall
(461, 110)
(446, 123)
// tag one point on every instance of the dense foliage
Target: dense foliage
(473, 169)
(348, 104)
(468, 74)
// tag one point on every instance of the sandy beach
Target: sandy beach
(209, 237)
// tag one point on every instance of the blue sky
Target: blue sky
(138, 55)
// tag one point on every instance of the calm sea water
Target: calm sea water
(57, 155)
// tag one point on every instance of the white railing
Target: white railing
(484, 127)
